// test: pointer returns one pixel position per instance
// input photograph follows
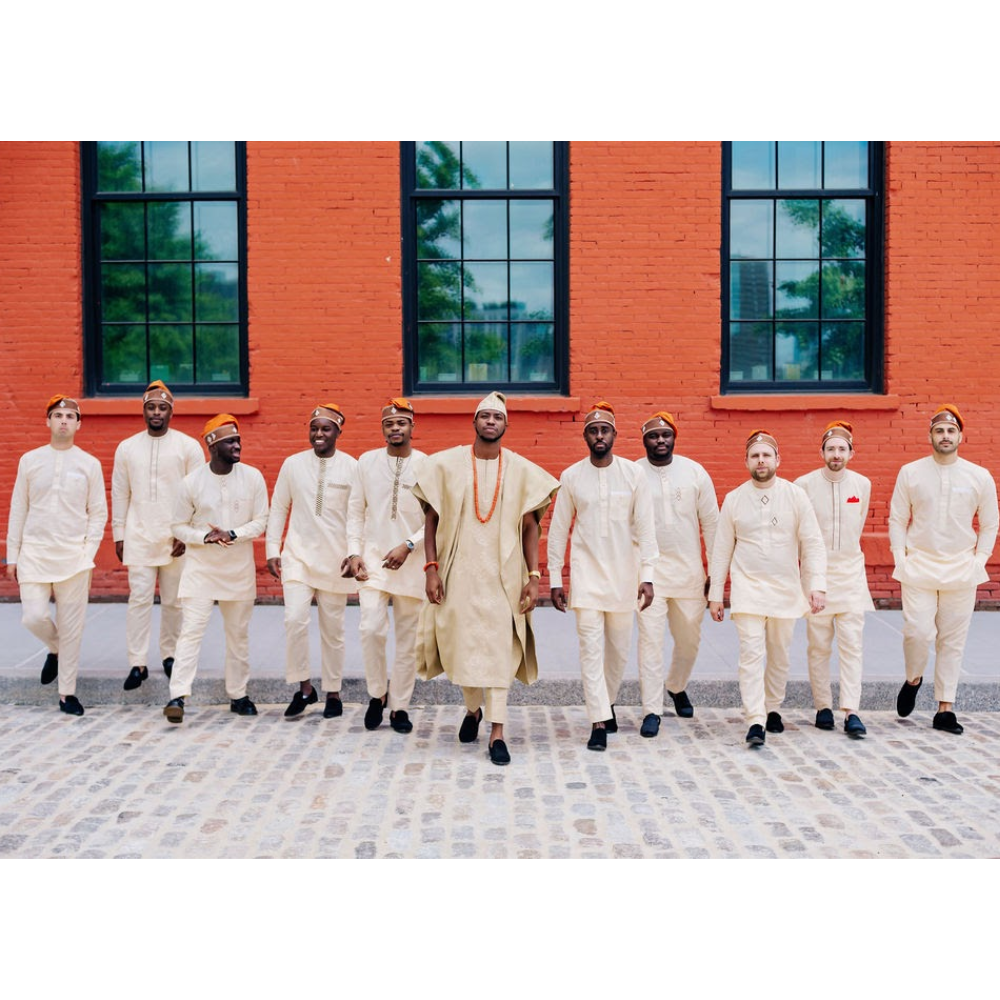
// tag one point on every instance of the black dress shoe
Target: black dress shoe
(824, 719)
(650, 725)
(498, 753)
(174, 710)
(682, 704)
(598, 739)
(242, 706)
(72, 707)
(375, 712)
(400, 721)
(50, 668)
(611, 725)
(755, 736)
(168, 666)
(298, 703)
(945, 721)
(774, 723)
(135, 678)
(907, 698)
(334, 707)
(854, 727)
(468, 731)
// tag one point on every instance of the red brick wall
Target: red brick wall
(326, 318)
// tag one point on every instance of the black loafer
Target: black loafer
(72, 707)
(682, 704)
(174, 710)
(854, 727)
(468, 731)
(755, 736)
(50, 668)
(299, 702)
(334, 707)
(650, 725)
(375, 712)
(774, 723)
(498, 753)
(611, 725)
(135, 678)
(168, 666)
(824, 719)
(907, 698)
(598, 739)
(242, 706)
(400, 721)
(945, 721)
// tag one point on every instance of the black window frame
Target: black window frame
(559, 195)
(874, 351)
(94, 384)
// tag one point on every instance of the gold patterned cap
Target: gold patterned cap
(225, 425)
(62, 403)
(494, 401)
(658, 420)
(328, 411)
(947, 413)
(159, 392)
(838, 428)
(762, 437)
(398, 407)
(600, 413)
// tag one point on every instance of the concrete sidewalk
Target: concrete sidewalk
(103, 667)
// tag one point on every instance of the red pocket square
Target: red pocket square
(853, 500)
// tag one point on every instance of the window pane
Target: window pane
(531, 165)
(123, 293)
(753, 166)
(843, 351)
(843, 290)
(119, 166)
(846, 165)
(751, 290)
(486, 291)
(124, 354)
(844, 228)
(438, 165)
(439, 291)
(750, 352)
(170, 293)
(796, 351)
(123, 232)
(218, 293)
(439, 229)
(169, 230)
(798, 229)
(532, 352)
(486, 352)
(213, 166)
(216, 230)
(484, 165)
(797, 285)
(171, 352)
(532, 292)
(439, 352)
(218, 354)
(751, 229)
(799, 164)
(531, 230)
(484, 230)
(166, 166)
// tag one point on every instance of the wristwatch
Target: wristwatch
(410, 545)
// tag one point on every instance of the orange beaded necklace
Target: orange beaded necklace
(475, 486)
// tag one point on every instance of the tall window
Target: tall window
(802, 266)
(485, 234)
(164, 244)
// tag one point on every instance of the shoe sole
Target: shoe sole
(857, 736)
(174, 714)
(755, 741)
(648, 736)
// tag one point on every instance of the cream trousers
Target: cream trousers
(374, 631)
(762, 687)
(493, 702)
(684, 616)
(942, 617)
(848, 627)
(64, 635)
(236, 620)
(298, 605)
(138, 619)
(605, 638)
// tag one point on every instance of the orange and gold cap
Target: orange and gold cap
(225, 425)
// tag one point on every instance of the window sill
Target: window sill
(186, 406)
(515, 404)
(772, 402)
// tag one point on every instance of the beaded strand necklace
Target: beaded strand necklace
(475, 486)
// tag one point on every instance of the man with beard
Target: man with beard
(940, 560)
(384, 526)
(765, 526)
(148, 470)
(221, 508)
(315, 486)
(684, 510)
(57, 518)
(840, 498)
(611, 564)
(483, 505)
